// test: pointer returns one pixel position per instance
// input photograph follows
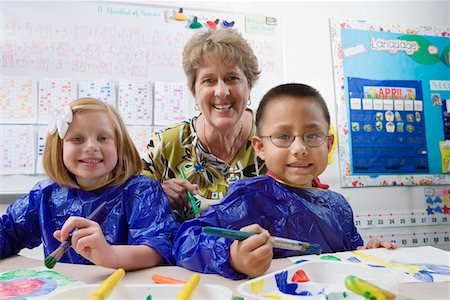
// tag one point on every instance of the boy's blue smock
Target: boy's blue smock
(137, 213)
(305, 214)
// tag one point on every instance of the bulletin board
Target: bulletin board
(127, 54)
(392, 86)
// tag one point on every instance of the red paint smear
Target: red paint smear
(300, 276)
(19, 287)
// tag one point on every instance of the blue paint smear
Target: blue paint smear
(376, 266)
(290, 288)
(354, 259)
(283, 285)
(300, 261)
(423, 276)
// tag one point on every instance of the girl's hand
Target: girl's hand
(175, 190)
(374, 243)
(87, 240)
(253, 255)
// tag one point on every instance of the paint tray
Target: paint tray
(325, 278)
(141, 291)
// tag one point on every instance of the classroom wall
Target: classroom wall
(308, 59)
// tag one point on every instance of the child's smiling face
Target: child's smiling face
(89, 148)
(288, 116)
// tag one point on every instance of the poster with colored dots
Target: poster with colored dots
(100, 89)
(42, 132)
(17, 155)
(18, 100)
(55, 92)
(140, 136)
(135, 102)
(391, 84)
(171, 102)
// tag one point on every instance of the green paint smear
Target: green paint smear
(61, 280)
(330, 257)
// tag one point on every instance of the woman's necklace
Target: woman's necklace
(232, 146)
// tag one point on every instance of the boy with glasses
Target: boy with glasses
(292, 124)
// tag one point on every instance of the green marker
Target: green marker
(191, 198)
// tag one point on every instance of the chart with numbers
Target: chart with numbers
(407, 228)
(18, 100)
(171, 102)
(54, 91)
(16, 149)
(136, 102)
(100, 89)
(42, 132)
(140, 136)
(399, 219)
(410, 237)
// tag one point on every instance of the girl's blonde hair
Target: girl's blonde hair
(228, 44)
(128, 162)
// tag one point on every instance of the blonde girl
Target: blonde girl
(90, 159)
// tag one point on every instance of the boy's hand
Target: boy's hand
(253, 255)
(374, 243)
(88, 240)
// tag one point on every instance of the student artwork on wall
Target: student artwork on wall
(392, 88)
(129, 55)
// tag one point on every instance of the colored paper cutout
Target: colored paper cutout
(195, 24)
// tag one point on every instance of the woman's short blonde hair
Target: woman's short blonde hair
(228, 44)
(128, 162)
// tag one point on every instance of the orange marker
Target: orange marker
(161, 279)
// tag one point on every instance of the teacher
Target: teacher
(213, 149)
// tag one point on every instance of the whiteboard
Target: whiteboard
(117, 42)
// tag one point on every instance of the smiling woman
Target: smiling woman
(213, 148)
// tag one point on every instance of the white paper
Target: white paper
(171, 102)
(412, 260)
(100, 89)
(135, 102)
(18, 100)
(17, 149)
(55, 92)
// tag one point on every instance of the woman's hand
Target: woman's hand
(87, 240)
(175, 190)
(374, 243)
(253, 255)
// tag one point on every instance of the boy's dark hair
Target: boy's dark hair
(295, 90)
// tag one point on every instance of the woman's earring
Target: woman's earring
(196, 107)
(249, 101)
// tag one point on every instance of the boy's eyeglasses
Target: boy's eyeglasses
(314, 139)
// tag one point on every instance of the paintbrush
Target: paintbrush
(279, 242)
(51, 260)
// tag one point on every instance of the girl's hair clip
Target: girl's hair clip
(59, 120)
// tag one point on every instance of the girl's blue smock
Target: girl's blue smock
(137, 213)
(305, 214)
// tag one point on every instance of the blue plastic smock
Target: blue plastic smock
(137, 213)
(306, 214)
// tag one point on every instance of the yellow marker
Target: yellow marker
(369, 290)
(186, 292)
(106, 287)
